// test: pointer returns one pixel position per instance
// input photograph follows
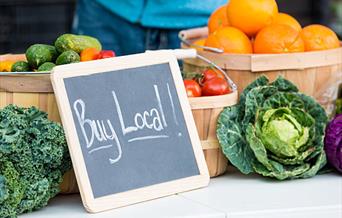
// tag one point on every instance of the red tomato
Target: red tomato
(106, 54)
(210, 74)
(193, 89)
(215, 86)
(89, 54)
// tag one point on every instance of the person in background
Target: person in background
(133, 26)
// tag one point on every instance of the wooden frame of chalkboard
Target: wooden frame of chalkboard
(93, 201)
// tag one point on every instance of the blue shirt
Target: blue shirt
(171, 14)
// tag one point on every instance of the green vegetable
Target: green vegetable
(339, 106)
(68, 57)
(38, 54)
(274, 131)
(20, 66)
(33, 159)
(76, 43)
(47, 66)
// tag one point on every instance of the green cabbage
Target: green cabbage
(274, 131)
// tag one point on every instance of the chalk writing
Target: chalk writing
(96, 132)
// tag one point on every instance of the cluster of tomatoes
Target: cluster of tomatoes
(210, 83)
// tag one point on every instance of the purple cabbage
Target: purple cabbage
(333, 142)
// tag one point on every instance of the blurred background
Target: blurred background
(25, 22)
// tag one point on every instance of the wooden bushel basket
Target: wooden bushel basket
(317, 74)
(28, 90)
(34, 90)
(206, 111)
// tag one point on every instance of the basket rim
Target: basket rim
(263, 62)
(210, 102)
(25, 83)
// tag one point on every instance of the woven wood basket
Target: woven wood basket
(205, 111)
(28, 90)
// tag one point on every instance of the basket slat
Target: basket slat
(213, 102)
(206, 111)
(26, 83)
(295, 60)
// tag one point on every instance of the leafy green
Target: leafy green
(274, 130)
(33, 159)
(339, 106)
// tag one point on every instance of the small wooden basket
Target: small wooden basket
(206, 111)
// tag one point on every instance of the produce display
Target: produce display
(333, 142)
(33, 159)
(68, 48)
(249, 26)
(274, 131)
(210, 83)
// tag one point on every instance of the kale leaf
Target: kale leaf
(33, 159)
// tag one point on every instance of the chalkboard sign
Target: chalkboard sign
(129, 128)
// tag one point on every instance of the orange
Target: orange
(251, 16)
(230, 40)
(286, 19)
(199, 42)
(218, 19)
(317, 37)
(278, 38)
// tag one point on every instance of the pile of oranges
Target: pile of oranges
(256, 26)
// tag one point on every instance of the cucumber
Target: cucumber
(76, 43)
(38, 54)
(68, 57)
(47, 66)
(20, 66)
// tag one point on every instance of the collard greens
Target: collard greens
(274, 131)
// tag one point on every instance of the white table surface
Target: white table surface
(240, 196)
(232, 196)
(173, 206)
